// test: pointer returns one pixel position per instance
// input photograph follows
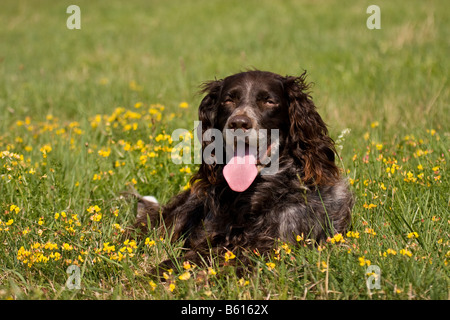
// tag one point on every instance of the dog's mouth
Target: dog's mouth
(246, 162)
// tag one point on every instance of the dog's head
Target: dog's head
(255, 100)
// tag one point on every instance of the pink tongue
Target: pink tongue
(240, 171)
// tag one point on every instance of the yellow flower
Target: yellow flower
(185, 276)
(91, 209)
(105, 152)
(149, 243)
(96, 217)
(369, 206)
(67, 247)
(242, 282)
(107, 248)
(229, 256)
(363, 261)
(152, 285)
(286, 248)
(406, 252)
(336, 239)
(183, 105)
(45, 149)
(14, 208)
(370, 231)
(127, 147)
(270, 266)
(186, 170)
(51, 246)
(172, 287)
(211, 271)
(410, 177)
(323, 265)
(413, 235)
(390, 251)
(352, 234)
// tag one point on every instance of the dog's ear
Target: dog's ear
(207, 111)
(308, 135)
(207, 115)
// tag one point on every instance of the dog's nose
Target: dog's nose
(240, 122)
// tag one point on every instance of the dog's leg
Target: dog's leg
(148, 211)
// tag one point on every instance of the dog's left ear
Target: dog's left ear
(207, 115)
(207, 111)
(308, 135)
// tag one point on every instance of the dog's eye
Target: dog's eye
(228, 99)
(269, 101)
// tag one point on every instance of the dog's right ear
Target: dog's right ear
(207, 111)
(207, 115)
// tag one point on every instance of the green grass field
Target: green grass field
(87, 113)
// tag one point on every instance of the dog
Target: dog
(235, 207)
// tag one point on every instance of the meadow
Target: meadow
(89, 113)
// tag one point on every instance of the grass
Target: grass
(85, 113)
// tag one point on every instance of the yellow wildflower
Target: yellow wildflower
(211, 271)
(363, 261)
(270, 266)
(149, 243)
(389, 251)
(413, 235)
(370, 231)
(14, 208)
(242, 282)
(352, 234)
(67, 247)
(183, 105)
(105, 152)
(336, 238)
(406, 252)
(152, 285)
(229, 256)
(323, 266)
(185, 276)
(108, 248)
